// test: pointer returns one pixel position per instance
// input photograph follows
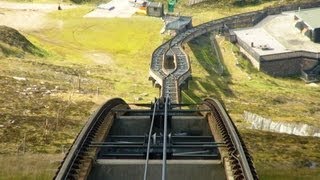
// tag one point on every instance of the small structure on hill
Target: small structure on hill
(177, 24)
(308, 22)
(155, 9)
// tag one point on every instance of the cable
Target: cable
(149, 140)
(164, 152)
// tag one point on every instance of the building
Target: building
(276, 47)
(177, 24)
(155, 9)
(308, 22)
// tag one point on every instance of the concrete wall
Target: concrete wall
(196, 127)
(283, 67)
(176, 170)
(307, 64)
(287, 67)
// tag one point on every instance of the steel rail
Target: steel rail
(239, 151)
(149, 141)
(74, 152)
(164, 152)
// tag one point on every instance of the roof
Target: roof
(155, 4)
(176, 23)
(310, 17)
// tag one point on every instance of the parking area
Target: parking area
(115, 8)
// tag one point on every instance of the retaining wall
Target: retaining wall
(282, 64)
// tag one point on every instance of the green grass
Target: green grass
(25, 112)
(29, 166)
(72, 53)
(282, 156)
(292, 174)
(73, 42)
(210, 9)
(125, 41)
(243, 88)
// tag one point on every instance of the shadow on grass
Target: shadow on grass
(212, 85)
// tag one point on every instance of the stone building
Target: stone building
(277, 47)
(155, 9)
(308, 22)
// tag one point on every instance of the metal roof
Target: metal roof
(155, 4)
(176, 23)
(311, 17)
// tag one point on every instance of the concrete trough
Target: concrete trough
(176, 169)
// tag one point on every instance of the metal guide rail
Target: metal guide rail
(241, 161)
(167, 139)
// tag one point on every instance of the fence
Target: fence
(193, 2)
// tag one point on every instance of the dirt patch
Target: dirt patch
(22, 20)
(43, 7)
(99, 57)
(27, 16)
(313, 85)
(114, 8)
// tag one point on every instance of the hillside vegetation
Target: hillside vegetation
(12, 43)
(45, 99)
(242, 88)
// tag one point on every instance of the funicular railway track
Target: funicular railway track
(158, 141)
(182, 71)
(162, 139)
(165, 139)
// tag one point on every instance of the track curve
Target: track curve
(183, 71)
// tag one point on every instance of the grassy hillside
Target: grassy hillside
(242, 88)
(42, 105)
(46, 100)
(12, 43)
(111, 56)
